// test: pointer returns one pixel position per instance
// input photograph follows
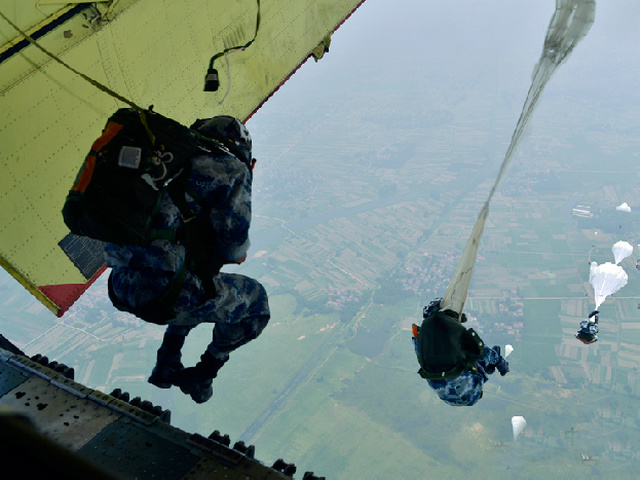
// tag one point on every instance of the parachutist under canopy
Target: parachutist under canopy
(588, 332)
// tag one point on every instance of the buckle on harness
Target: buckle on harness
(161, 159)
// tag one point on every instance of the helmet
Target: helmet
(230, 131)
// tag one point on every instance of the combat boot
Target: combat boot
(168, 365)
(198, 381)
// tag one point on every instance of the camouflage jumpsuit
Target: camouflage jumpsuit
(240, 310)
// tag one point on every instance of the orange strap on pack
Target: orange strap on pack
(110, 131)
(86, 172)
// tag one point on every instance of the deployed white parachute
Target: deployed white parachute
(623, 207)
(507, 350)
(606, 279)
(518, 424)
(621, 250)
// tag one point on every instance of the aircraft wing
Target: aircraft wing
(148, 53)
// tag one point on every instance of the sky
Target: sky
(457, 38)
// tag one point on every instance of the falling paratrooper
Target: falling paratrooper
(606, 279)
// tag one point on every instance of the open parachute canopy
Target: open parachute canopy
(518, 424)
(606, 279)
(149, 55)
(621, 250)
(508, 349)
(623, 207)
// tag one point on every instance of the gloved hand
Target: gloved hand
(433, 307)
(502, 365)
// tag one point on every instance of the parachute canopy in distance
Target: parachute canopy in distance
(623, 207)
(518, 424)
(606, 279)
(621, 250)
(507, 350)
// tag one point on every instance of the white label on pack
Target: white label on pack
(130, 157)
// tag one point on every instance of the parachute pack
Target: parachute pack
(118, 189)
(140, 156)
(445, 348)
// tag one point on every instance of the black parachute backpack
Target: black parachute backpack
(118, 190)
(445, 347)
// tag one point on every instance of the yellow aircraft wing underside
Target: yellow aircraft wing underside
(152, 52)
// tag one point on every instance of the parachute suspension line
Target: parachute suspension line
(456, 295)
(570, 23)
(93, 82)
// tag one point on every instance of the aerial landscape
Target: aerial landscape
(373, 164)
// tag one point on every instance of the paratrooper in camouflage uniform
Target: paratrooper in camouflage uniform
(239, 309)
